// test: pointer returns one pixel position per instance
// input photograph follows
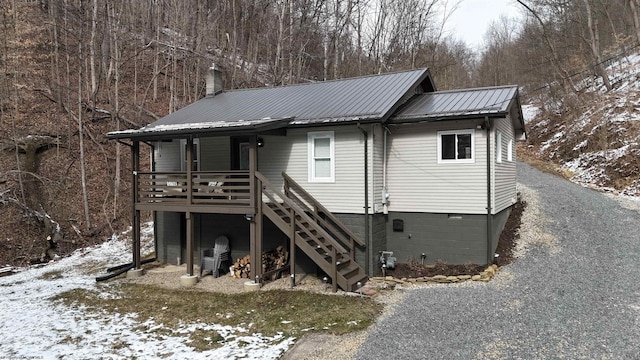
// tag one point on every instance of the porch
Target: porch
(307, 224)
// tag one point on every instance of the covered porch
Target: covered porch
(233, 198)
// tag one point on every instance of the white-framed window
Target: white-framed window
(498, 147)
(510, 150)
(321, 145)
(196, 155)
(456, 146)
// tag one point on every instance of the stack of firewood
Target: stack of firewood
(275, 259)
(241, 268)
(271, 260)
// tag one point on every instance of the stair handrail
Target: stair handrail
(266, 184)
(290, 183)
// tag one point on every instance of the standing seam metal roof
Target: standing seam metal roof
(371, 97)
(457, 103)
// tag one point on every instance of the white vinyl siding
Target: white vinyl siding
(498, 146)
(290, 154)
(418, 182)
(196, 155)
(504, 172)
(321, 150)
(376, 156)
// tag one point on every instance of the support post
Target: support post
(189, 169)
(259, 228)
(334, 270)
(255, 227)
(292, 245)
(135, 214)
(189, 218)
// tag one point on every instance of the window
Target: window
(321, 156)
(196, 155)
(456, 146)
(243, 151)
(498, 147)
(510, 150)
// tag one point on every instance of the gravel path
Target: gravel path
(574, 293)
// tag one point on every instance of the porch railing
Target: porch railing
(321, 215)
(225, 188)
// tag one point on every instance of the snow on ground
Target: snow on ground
(529, 112)
(32, 326)
(599, 146)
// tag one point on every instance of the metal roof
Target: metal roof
(366, 98)
(497, 101)
(459, 103)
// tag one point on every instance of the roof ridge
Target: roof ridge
(483, 88)
(326, 81)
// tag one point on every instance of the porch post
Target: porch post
(189, 218)
(255, 226)
(135, 214)
(189, 153)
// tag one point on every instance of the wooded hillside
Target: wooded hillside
(74, 70)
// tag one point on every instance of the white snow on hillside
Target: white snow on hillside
(603, 140)
(33, 327)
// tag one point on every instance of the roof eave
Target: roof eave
(447, 117)
(252, 129)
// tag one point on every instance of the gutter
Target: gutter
(366, 197)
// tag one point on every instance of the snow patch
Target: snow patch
(34, 327)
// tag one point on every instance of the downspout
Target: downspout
(487, 126)
(366, 197)
(385, 193)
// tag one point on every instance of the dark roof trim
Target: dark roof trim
(268, 125)
(447, 117)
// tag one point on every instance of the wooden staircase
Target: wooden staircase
(315, 231)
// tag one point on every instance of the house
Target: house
(338, 171)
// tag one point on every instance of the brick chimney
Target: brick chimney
(214, 81)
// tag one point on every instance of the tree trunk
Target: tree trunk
(634, 4)
(83, 172)
(592, 25)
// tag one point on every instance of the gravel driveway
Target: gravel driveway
(574, 293)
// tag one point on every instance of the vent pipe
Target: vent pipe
(214, 81)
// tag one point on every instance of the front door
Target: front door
(240, 153)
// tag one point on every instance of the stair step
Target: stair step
(349, 271)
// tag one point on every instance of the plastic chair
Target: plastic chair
(212, 259)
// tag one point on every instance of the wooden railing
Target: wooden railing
(203, 188)
(301, 224)
(321, 215)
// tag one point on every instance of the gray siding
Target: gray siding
(498, 222)
(418, 183)
(504, 173)
(167, 155)
(377, 238)
(215, 154)
(169, 237)
(440, 238)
